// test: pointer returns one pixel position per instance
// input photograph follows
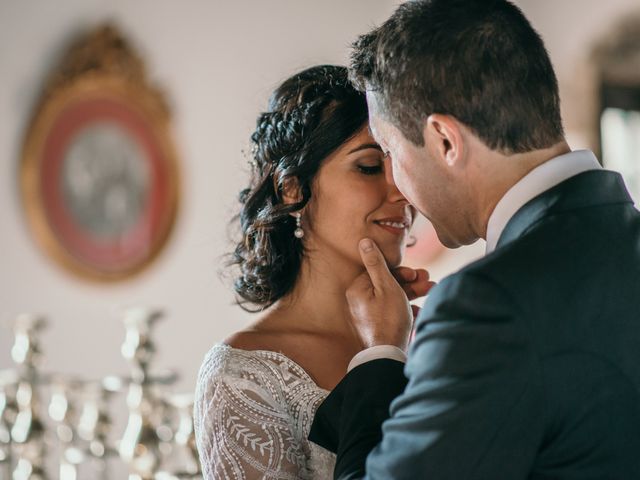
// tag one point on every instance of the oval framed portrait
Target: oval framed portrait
(99, 175)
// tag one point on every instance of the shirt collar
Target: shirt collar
(537, 181)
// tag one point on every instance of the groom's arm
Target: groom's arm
(358, 405)
(472, 403)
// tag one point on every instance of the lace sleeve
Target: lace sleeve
(243, 429)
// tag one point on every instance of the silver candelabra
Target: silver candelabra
(158, 442)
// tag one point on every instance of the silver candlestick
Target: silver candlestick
(140, 444)
(28, 432)
(94, 424)
(185, 462)
(95, 421)
(8, 412)
(63, 410)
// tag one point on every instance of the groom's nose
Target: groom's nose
(394, 194)
(388, 170)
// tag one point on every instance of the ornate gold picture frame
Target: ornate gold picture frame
(99, 173)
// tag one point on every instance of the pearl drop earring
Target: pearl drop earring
(298, 232)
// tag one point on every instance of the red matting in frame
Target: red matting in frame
(131, 248)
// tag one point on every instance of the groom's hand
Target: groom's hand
(379, 299)
(414, 281)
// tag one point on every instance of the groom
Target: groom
(526, 363)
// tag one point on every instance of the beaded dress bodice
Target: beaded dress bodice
(252, 415)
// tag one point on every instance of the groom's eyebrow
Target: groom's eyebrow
(364, 146)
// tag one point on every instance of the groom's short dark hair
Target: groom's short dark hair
(480, 61)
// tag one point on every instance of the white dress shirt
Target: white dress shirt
(537, 181)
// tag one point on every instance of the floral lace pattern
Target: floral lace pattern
(252, 416)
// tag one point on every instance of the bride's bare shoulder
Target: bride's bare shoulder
(264, 334)
(249, 340)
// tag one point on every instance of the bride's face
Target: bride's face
(354, 197)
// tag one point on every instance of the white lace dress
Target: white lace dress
(252, 415)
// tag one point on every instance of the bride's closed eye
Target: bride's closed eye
(370, 169)
(370, 160)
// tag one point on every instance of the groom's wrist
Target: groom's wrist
(377, 352)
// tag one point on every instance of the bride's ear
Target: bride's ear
(290, 191)
(444, 138)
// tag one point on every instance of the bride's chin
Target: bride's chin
(393, 258)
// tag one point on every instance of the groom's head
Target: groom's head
(451, 80)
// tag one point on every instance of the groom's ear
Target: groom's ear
(444, 137)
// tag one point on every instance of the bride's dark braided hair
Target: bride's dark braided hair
(309, 116)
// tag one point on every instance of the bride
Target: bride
(318, 186)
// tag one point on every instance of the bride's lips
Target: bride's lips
(396, 225)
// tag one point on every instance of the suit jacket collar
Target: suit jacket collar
(540, 179)
(588, 189)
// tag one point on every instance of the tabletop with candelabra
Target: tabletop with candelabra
(61, 426)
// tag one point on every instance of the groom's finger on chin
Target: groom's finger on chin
(374, 262)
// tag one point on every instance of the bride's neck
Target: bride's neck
(318, 302)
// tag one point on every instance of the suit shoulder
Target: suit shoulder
(473, 291)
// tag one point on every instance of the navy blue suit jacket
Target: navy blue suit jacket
(526, 363)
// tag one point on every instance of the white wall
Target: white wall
(571, 29)
(218, 62)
